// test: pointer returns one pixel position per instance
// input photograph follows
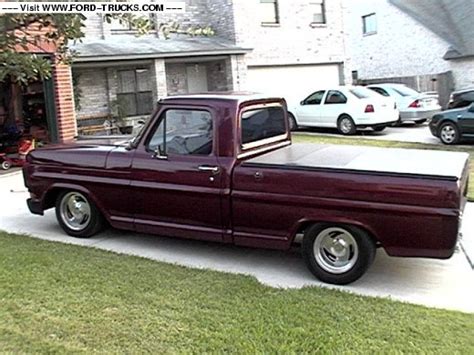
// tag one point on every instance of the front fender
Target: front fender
(49, 197)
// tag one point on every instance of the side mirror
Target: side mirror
(159, 153)
(302, 102)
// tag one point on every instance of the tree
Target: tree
(23, 34)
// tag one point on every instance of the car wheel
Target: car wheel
(346, 125)
(6, 165)
(337, 254)
(449, 133)
(78, 215)
(379, 128)
(292, 122)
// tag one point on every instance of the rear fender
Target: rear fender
(305, 223)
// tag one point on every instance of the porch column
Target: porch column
(64, 102)
(236, 67)
(159, 86)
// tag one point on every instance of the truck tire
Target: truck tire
(346, 125)
(77, 214)
(336, 253)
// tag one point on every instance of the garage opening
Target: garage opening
(26, 115)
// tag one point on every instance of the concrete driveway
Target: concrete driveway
(437, 283)
(408, 132)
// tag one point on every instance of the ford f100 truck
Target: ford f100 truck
(223, 168)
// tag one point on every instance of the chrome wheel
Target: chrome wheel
(448, 134)
(75, 211)
(335, 250)
(6, 165)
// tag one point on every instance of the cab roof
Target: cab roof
(229, 96)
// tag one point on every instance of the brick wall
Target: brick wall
(65, 114)
(214, 13)
(94, 95)
(295, 40)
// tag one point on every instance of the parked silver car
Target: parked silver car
(413, 105)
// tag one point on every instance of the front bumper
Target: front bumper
(35, 206)
(418, 114)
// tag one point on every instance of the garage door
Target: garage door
(292, 82)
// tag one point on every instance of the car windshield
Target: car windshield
(405, 91)
(363, 93)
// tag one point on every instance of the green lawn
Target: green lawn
(301, 137)
(58, 298)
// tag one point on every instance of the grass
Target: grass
(58, 298)
(302, 138)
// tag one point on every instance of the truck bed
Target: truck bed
(366, 160)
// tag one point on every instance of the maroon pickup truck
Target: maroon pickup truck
(222, 168)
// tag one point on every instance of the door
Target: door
(308, 112)
(197, 78)
(176, 177)
(293, 82)
(333, 106)
(466, 120)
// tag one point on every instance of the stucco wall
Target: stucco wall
(463, 72)
(401, 46)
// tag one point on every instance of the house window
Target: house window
(369, 23)
(269, 12)
(134, 95)
(318, 11)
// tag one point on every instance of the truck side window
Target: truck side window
(182, 132)
(262, 123)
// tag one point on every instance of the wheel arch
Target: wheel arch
(447, 120)
(51, 195)
(344, 114)
(302, 225)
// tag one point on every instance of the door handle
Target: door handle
(208, 168)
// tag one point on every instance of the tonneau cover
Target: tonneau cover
(393, 161)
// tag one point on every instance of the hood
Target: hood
(77, 154)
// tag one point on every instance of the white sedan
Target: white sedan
(346, 108)
(413, 105)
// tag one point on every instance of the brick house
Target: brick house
(427, 44)
(44, 109)
(279, 47)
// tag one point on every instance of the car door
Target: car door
(176, 178)
(466, 120)
(334, 105)
(308, 111)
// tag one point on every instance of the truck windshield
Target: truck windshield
(261, 124)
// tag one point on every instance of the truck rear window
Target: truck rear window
(262, 123)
